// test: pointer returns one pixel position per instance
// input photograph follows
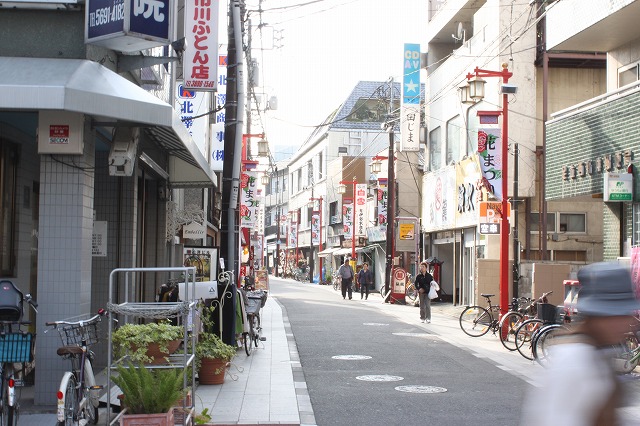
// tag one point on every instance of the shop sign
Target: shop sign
(410, 108)
(399, 280)
(128, 25)
(361, 210)
(200, 57)
(406, 231)
(490, 215)
(193, 231)
(618, 187)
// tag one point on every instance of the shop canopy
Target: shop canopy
(87, 87)
(327, 252)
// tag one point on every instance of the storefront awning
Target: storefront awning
(327, 252)
(87, 87)
(369, 248)
(342, 252)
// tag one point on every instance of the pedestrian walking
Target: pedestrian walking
(580, 386)
(423, 284)
(365, 278)
(346, 274)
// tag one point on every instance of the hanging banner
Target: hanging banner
(293, 235)
(200, 57)
(410, 108)
(347, 219)
(249, 202)
(217, 129)
(490, 158)
(383, 196)
(467, 177)
(635, 269)
(193, 104)
(360, 222)
(315, 228)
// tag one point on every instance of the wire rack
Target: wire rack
(17, 347)
(74, 334)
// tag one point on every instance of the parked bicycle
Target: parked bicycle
(476, 320)
(301, 275)
(16, 349)
(78, 394)
(336, 280)
(254, 300)
(411, 292)
(529, 327)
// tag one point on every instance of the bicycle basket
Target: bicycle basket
(72, 335)
(546, 312)
(253, 305)
(17, 347)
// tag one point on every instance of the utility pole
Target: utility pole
(391, 198)
(230, 245)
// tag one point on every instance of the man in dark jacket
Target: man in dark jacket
(365, 279)
(423, 284)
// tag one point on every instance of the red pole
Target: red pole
(504, 224)
(320, 241)
(353, 224)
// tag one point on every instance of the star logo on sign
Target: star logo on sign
(411, 86)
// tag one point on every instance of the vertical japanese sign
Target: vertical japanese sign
(635, 269)
(347, 219)
(217, 131)
(360, 222)
(410, 108)
(249, 202)
(315, 228)
(293, 235)
(383, 198)
(490, 158)
(201, 34)
(191, 104)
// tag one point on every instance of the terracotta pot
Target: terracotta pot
(160, 419)
(153, 351)
(207, 374)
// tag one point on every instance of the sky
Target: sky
(326, 47)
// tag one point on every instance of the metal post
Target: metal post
(320, 241)
(353, 224)
(391, 197)
(516, 242)
(504, 228)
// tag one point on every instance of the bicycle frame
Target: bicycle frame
(79, 373)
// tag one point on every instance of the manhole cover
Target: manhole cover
(380, 378)
(351, 357)
(420, 389)
(413, 334)
(374, 323)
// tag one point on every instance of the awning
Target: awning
(342, 251)
(87, 87)
(327, 252)
(369, 248)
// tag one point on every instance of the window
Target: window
(319, 165)
(534, 221)
(371, 110)
(573, 222)
(435, 149)
(299, 179)
(309, 214)
(8, 173)
(309, 173)
(628, 74)
(454, 139)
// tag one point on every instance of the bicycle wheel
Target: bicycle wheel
(90, 395)
(255, 325)
(509, 324)
(475, 321)
(247, 338)
(524, 337)
(624, 361)
(542, 341)
(411, 293)
(70, 403)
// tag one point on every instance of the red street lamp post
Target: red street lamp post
(476, 92)
(311, 204)
(342, 188)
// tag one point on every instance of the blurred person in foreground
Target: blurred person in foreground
(580, 386)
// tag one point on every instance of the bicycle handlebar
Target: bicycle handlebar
(93, 319)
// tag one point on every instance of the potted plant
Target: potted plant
(212, 354)
(149, 395)
(147, 343)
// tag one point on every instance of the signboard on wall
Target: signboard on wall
(99, 239)
(618, 187)
(200, 57)
(410, 108)
(490, 215)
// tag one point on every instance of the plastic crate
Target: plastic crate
(17, 347)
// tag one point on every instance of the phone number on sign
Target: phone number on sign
(190, 84)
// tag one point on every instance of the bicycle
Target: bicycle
(476, 321)
(16, 347)
(254, 301)
(410, 290)
(524, 336)
(336, 280)
(78, 394)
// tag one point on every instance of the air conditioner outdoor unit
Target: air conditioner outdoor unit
(122, 157)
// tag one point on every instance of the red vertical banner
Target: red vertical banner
(635, 269)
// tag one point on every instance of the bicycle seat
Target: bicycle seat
(487, 295)
(10, 301)
(69, 350)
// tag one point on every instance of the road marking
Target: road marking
(380, 378)
(420, 389)
(351, 357)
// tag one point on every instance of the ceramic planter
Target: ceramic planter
(212, 371)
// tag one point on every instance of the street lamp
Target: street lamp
(311, 205)
(342, 189)
(476, 92)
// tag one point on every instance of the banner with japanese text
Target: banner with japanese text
(293, 235)
(315, 228)
(383, 198)
(410, 108)
(490, 159)
(347, 219)
(217, 129)
(200, 56)
(635, 269)
(360, 221)
(249, 202)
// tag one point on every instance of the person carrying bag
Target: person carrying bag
(423, 284)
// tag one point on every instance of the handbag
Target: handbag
(433, 291)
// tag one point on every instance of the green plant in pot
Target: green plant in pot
(150, 393)
(147, 343)
(212, 354)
